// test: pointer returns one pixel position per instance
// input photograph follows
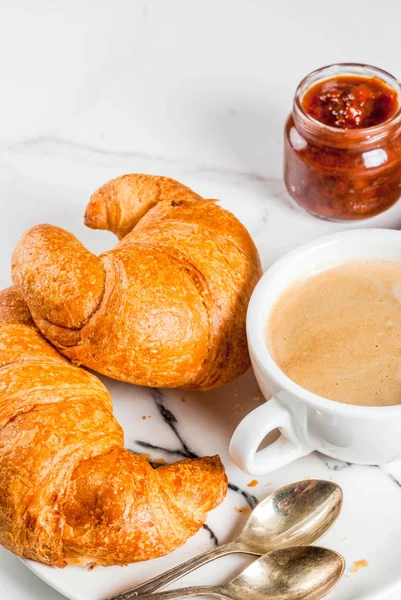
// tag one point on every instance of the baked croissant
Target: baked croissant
(166, 307)
(69, 491)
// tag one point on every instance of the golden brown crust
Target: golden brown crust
(69, 491)
(13, 309)
(119, 204)
(161, 509)
(166, 307)
(65, 291)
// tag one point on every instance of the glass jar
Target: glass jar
(343, 174)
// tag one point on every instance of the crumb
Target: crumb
(237, 406)
(244, 510)
(256, 389)
(253, 483)
(143, 417)
(158, 462)
(359, 564)
(91, 566)
(182, 399)
(145, 456)
(331, 477)
(255, 398)
(267, 484)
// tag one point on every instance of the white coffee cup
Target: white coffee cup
(358, 434)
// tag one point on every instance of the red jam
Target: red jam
(351, 102)
(343, 143)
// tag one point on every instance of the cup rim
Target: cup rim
(256, 322)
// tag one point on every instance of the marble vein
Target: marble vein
(73, 150)
(333, 464)
(213, 536)
(149, 446)
(171, 421)
(392, 471)
(392, 477)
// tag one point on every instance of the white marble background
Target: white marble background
(197, 90)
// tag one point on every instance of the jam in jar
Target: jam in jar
(343, 142)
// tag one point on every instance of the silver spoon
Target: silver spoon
(296, 573)
(296, 514)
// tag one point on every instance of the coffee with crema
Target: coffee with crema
(338, 333)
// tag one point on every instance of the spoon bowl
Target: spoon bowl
(296, 514)
(297, 573)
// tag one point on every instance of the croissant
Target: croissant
(166, 307)
(69, 491)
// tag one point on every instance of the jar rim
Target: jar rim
(365, 134)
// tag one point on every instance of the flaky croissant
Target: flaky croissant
(69, 491)
(166, 307)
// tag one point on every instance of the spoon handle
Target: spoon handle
(189, 592)
(176, 573)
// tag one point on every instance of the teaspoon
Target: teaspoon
(296, 514)
(296, 573)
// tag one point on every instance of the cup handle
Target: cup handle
(254, 428)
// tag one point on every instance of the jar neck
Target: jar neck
(319, 133)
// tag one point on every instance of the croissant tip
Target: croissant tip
(214, 462)
(96, 212)
(13, 309)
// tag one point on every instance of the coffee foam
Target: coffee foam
(338, 333)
